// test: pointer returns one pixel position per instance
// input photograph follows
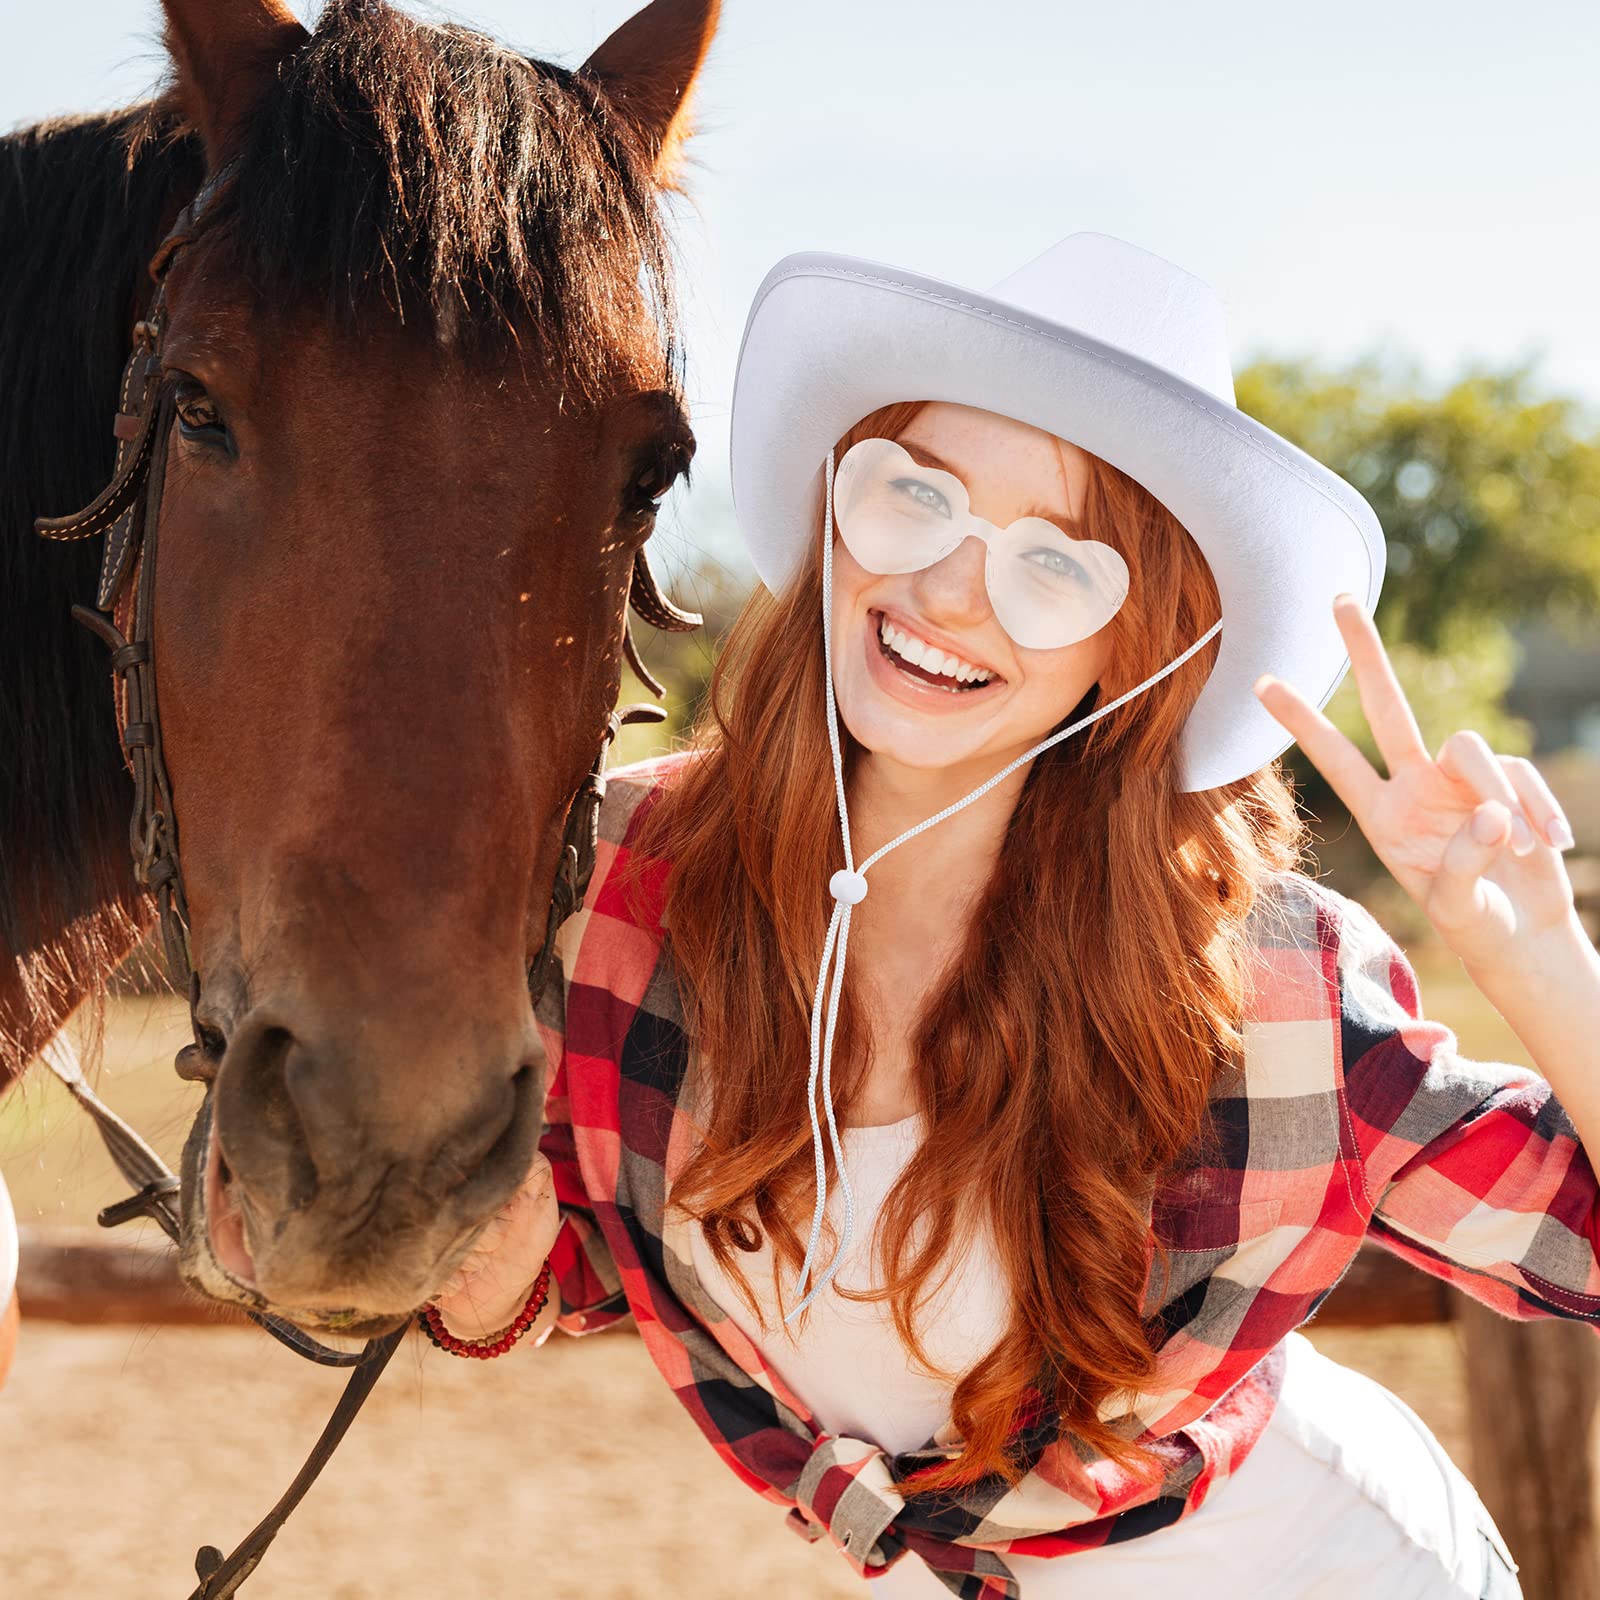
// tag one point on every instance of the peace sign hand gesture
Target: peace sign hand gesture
(1473, 837)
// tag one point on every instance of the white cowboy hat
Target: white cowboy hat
(1122, 354)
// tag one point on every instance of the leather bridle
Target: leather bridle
(127, 512)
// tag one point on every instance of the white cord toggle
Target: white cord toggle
(848, 887)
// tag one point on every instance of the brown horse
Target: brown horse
(428, 388)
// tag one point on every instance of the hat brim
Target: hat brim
(830, 338)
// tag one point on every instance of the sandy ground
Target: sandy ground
(571, 1472)
(567, 1471)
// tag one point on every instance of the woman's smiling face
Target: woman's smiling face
(898, 709)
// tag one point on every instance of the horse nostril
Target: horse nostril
(258, 1118)
(521, 1087)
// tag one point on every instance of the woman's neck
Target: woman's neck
(939, 869)
(918, 910)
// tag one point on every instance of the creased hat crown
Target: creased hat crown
(1132, 299)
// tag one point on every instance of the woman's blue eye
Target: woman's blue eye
(1055, 562)
(910, 486)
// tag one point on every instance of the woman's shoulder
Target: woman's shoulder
(1320, 955)
(632, 788)
(1295, 912)
(629, 879)
(612, 942)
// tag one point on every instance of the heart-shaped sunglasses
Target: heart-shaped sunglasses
(1047, 589)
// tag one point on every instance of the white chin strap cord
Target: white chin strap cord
(848, 887)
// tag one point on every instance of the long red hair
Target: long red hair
(1067, 1055)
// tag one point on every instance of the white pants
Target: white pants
(1346, 1492)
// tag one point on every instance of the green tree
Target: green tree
(1489, 498)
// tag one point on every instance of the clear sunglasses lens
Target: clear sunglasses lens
(1048, 590)
(893, 515)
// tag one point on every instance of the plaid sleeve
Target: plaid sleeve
(1473, 1170)
(592, 1296)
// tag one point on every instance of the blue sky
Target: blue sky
(1412, 177)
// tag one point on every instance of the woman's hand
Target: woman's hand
(1473, 837)
(489, 1288)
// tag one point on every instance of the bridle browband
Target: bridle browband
(127, 512)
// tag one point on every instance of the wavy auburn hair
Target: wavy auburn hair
(1067, 1054)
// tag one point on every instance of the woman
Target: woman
(1112, 1091)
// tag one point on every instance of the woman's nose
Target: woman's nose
(954, 590)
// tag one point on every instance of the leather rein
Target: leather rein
(127, 512)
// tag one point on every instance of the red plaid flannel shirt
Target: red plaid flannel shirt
(1354, 1115)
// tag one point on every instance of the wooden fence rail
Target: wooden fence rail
(83, 1275)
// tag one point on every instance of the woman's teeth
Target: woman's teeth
(930, 658)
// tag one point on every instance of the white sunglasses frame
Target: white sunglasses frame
(966, 523)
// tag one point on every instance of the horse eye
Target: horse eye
(670, 463)
(198, 416)
(653, 484)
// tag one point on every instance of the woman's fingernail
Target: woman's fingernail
(1558, 833)
(1521, 835)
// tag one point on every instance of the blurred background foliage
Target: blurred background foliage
(1489, 498)
(1490, 502)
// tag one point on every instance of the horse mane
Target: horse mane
(395, 170)
(398, 169)
(81, 212)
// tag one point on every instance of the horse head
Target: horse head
(421, 361)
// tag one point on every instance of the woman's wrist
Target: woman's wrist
(481, 1322)
(487, 1294)
(529, 1313)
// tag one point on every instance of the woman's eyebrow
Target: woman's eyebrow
(927, 458)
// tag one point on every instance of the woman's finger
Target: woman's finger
(1466, 756)
(1383, 701)
(1453, 898)
(1538, 803)
(1350, 775)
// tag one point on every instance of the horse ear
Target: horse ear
(224, 52)
(648, 67)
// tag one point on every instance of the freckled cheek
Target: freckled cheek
(1051, 682)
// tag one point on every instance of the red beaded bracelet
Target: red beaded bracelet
(494, 1344)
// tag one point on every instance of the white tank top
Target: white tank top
(1345, 1492)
